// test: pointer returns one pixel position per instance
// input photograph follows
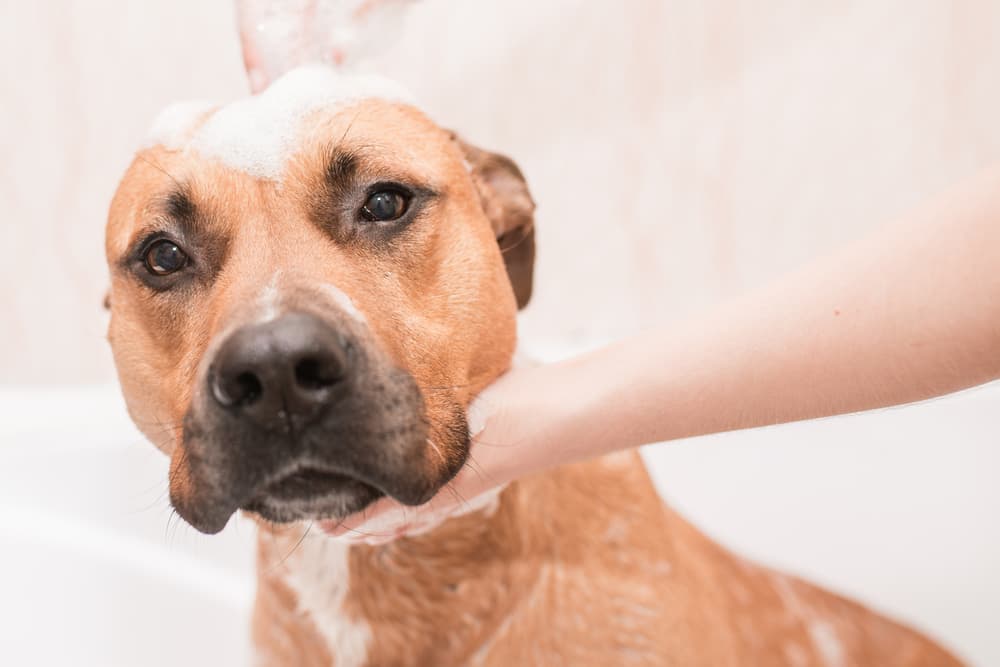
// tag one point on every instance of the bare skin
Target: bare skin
(583, 565)
(910, 313)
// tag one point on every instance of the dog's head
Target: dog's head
(307, 288)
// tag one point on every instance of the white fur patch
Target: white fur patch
(270, 300)
(824, 638)
(257, 135)
(796, 655)
(822, 633)
(320, 575)
(343, 301)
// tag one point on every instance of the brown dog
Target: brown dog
(308, 287)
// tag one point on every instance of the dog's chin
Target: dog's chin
(312, 495)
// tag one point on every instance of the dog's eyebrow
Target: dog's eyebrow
(174, 209)
(174, 214)
(341, 166)
(179, 206)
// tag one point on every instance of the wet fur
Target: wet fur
(581, 566)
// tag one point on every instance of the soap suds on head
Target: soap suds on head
(173, 126)
(258, 134)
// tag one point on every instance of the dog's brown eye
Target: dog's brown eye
(165, 257)
(384, 205)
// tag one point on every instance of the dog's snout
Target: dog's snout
(280, 372)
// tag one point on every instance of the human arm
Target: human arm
(909, 313)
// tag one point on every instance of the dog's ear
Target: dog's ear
(510, 209)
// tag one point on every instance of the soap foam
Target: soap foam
(172, 127)
(282, 34)
(258, 134)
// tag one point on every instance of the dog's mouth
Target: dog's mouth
(308, 483)
(312, 493)
(373, 441)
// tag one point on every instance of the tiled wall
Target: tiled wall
(680, 152)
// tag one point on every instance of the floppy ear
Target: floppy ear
(510, 209)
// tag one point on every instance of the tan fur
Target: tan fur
(282, 633)
(586, 566)
(582, 566)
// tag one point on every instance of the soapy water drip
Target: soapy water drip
(280, 35)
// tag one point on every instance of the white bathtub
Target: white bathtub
(899, 508)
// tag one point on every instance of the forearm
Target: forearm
(908, 314)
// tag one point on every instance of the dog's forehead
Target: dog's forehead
(257, 135)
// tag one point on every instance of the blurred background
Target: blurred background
(680, 153)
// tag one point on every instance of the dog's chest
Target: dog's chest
(319, 573)
(389, 604)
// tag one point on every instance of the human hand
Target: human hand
(509, 425)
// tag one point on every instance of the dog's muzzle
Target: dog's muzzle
(297, 418)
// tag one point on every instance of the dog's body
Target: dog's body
(305, 297)
(584, 566)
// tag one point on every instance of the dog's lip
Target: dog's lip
(311, 493)
(320, 477)
(310, 482)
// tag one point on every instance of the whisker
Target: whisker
(437, 449)
(172, 474)
(494, 444)
(474, 466)
(158, 422)
(349, 126)
(166, 530)
(369, 534)
(294, 547)
(458, 496)
(160, 169)
(159, 499)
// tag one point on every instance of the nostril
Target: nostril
(238, 390)
(279, 373)
(314, 374)
(248, 387)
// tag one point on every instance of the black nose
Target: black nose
(281, 373)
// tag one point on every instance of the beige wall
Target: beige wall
(679, 151)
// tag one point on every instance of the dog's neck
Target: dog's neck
(408, 522)
(353, 593)
(320, 576)
(389, 577)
